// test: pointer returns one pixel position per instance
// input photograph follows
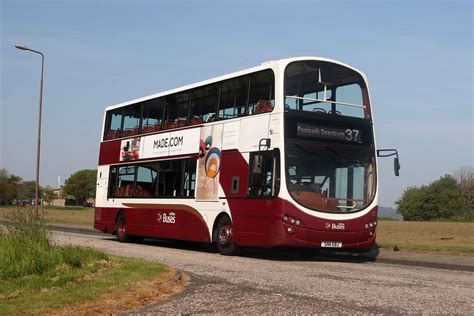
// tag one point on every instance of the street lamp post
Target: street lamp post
(38, 142)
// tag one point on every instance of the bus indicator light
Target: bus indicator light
(370, 225)
(291, 220)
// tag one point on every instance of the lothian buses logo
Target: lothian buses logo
(169, 218)
(334, 226)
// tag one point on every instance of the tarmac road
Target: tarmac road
(281, 282)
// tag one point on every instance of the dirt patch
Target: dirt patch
(136, 296)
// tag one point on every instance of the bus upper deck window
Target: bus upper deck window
(131, 120)
(262, 92)
(351, 93)
(153, 111)
(176, 110)
(113, 124)
(233, 98)
(325, 88)
(204, 104)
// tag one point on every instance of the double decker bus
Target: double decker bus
(282, 154)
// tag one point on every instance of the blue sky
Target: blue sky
(417, 56)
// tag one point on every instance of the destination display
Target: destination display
(348, 134)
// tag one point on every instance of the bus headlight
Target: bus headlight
(370, 225)
(291, 220)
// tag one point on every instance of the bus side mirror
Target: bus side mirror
(396, 161)
(396, 166)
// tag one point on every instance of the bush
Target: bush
(440, 199)
(26, 249)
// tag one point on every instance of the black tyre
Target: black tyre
(224, 237)
(121, 228)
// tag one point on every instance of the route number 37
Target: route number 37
(352, 135)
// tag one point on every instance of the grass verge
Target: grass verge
(106, 286)
(83, 216)
(448, 237)
(37, 276)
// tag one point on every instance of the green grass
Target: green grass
(66, 285)
(36, 275)
(24, 257)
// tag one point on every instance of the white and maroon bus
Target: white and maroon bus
(282, 154)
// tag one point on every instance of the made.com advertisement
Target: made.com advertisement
(207, 141)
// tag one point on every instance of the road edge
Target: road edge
(429, 260)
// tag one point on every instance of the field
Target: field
(450, 237)
(64, 215)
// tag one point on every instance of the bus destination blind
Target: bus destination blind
(347, 135)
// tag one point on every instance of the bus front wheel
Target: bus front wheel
(225, 238)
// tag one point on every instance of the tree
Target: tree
(465, 179)
(8, 186)
(411, 202)
(27, 190)
(440, 199)
(81, 185)
(48, 194)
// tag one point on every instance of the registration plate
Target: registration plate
(331, 244)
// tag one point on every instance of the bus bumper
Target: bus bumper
(291, 236)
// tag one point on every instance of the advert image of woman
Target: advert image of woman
(130, 149)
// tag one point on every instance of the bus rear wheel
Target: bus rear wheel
(121, 228)
(225, 238)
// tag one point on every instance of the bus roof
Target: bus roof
(281, 63)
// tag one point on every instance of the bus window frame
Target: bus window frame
(143, 103)
(154, 195)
